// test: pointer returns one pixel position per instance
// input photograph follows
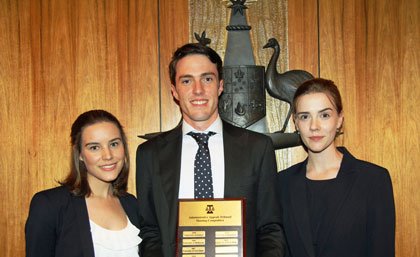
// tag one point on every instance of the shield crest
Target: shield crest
(242, 102)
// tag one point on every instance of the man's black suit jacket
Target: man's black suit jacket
(58, 224)
(250, 171)
(362, 222)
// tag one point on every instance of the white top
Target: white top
(115, 243)
(217, 158)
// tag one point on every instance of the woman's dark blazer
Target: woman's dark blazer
(58, 224)
(362, 222)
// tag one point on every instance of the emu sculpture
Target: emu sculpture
(282, 86)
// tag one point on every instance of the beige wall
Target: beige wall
(60, 58)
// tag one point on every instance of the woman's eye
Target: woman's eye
(93, 148)
(325, 115)
(115, 144)
(303, 116)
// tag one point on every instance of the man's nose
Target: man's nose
(198, 87)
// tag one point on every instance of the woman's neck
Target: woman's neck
(100, 189)
(324, 165)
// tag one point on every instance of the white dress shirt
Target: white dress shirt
(189, 150)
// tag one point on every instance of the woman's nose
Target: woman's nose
(314, 124)
(106, 154)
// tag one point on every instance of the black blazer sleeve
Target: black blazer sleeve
(130, 205)
(151, 244)
(250, 172)
(381, 217)
(270, 236)
(40, 228)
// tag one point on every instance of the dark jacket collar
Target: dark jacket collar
(342, 187)
(82, 221)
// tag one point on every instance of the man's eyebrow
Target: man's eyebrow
(185, 76)
(208, 73)
(201, 75)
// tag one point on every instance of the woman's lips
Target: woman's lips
(109, 167)
(316, 138)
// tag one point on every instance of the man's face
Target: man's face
(197, 90)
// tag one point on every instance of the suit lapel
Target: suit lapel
(299, 202)
(232, 141)
(341, 189)
(169, 170)
(82, 221)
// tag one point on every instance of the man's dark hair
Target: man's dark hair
(194, 48)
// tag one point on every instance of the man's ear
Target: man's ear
(174, 92)
(221, 87)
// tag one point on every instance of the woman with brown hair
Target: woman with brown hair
(91, 213)
(332, 203)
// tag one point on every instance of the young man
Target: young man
(242, 162)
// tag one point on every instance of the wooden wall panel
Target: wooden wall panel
(303, 35)
(303, 45)
(371, 50)
(173, 33)
(13, 125)
(58, 59)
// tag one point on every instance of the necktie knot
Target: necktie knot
(201, 138)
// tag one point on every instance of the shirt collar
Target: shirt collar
(216, 126)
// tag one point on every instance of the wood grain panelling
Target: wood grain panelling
(303, 45)
(58, 59)
(303, 35)
(173, 33)
(371, 50)
(15, 128)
